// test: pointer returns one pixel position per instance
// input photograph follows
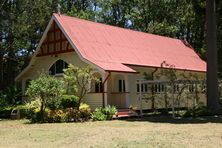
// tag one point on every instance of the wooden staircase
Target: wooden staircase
(121, 113)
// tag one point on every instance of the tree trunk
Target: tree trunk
(212, 81)
(42, 108)
(1, 73)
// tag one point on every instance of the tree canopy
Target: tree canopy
(22, 23)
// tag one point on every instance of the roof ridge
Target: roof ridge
(125, 29)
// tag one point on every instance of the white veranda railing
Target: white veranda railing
(171, 88)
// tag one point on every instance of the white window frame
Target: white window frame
(147, 87)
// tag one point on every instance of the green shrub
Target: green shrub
(68, 101)
(98, 115)
(75, 115)
(5, 112)
(54, 104)
(77, 81)
(24, 111)
(197, 111)
(72, 115)
(3, 100)
(109, 111)
(55, 116)
(28, 110)
(46, 88)
(36, 116)
(202, 111)
(60, 115)
(106, 113)
(10, 96)
(85, 111)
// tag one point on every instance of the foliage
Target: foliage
(68, 101)
(85, 111)
(28, 110)
(5, 112)
(78, 81)
(109, 111)
(50, 116)
(105, 113)
(37, 116)
(10, 96)
(121, 12)
(24, 111)
(3, 100)
(72, 115)
(68, 114)
(151, 76)
(55, 116)
(50, 106)
(62, 115)
(75, 115)
(22, 24)
(169, 72)
(197, 111)
(180, 87)
(7, 99)
(47, 89)
(98, 115)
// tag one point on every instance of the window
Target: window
(191, 88)
(159, 88)
(57, 67)
(147, 87)
(144, 88)
(122, 87)
(176, 88)
(98, 86)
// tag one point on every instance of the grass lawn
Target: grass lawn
(146, 132)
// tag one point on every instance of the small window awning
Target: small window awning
(114, 67)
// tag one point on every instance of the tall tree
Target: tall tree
(117, 12)
(212, 81)
(21, 26)
(219, 35)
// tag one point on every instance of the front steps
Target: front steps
(121, 113)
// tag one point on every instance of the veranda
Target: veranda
(171, 95)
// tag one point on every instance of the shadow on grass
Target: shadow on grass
(169, 119)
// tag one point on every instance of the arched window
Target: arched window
(57, 67)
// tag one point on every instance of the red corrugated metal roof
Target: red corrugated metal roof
(112, 48)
